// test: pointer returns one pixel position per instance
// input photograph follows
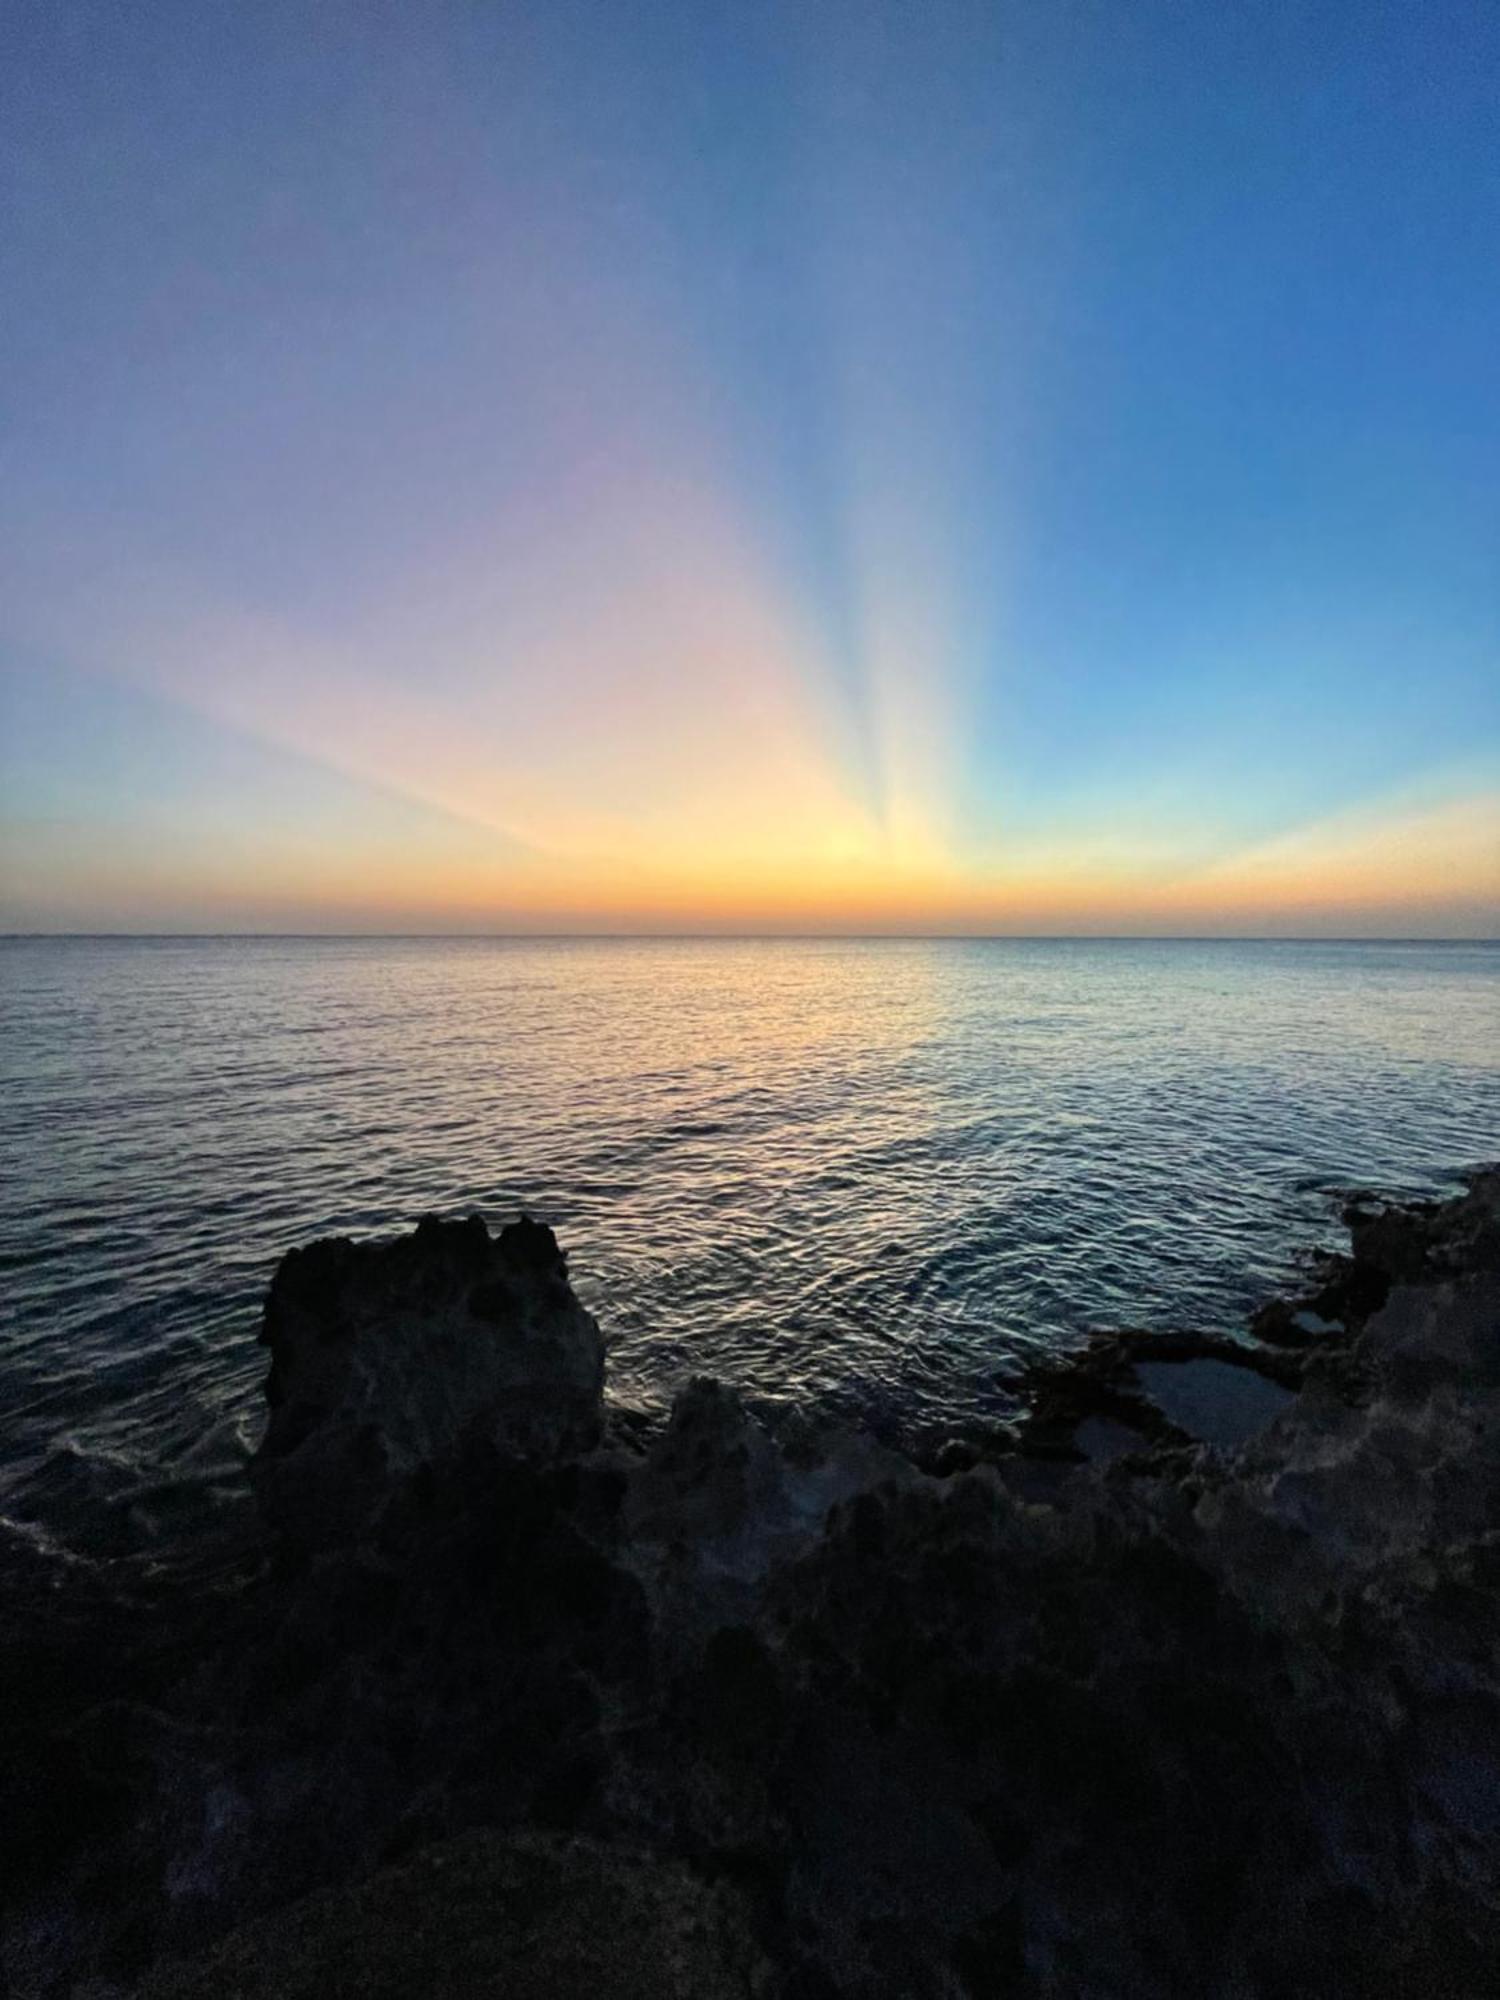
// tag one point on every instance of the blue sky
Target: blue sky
(936, 466)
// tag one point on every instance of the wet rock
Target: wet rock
(1390, 1243)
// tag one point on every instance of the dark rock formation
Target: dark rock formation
(1190, 1688)
(388, 1361)
(525, 1916)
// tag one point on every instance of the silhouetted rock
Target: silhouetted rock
(389, 1360)
(1191, 1687)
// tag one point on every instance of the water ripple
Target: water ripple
(875, 1175)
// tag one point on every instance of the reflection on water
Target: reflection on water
(876, 1173)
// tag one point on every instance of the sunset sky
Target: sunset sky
(1021, 467)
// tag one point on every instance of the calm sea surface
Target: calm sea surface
(875, 1175)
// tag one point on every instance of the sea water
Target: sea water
(872, 1177)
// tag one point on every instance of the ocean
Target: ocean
(870, 1177)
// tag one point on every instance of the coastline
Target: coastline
(1186, 1684)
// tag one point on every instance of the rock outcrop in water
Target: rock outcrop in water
(389, 1360)
(510, 1699)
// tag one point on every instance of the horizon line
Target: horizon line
(742, 937)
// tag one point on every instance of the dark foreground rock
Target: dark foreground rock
(529, 1916)
(1192, 1687)
(389, 1358)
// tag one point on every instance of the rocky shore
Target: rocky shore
(1188, 1684)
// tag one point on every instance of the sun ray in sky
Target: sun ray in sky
(980, 471)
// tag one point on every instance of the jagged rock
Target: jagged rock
(1189, 1718)
(713, 1475)
(717, 1503)
(388, 1360)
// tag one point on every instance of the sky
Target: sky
(810, 467)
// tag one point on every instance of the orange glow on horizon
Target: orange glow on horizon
(1359, 873)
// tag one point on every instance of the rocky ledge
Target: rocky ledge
(1190, 1686)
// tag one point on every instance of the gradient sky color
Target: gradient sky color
(812, 466)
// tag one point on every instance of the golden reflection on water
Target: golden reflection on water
(872, 1175)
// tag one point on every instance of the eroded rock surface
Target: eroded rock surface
(1203, 1715)
(388, 1361)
